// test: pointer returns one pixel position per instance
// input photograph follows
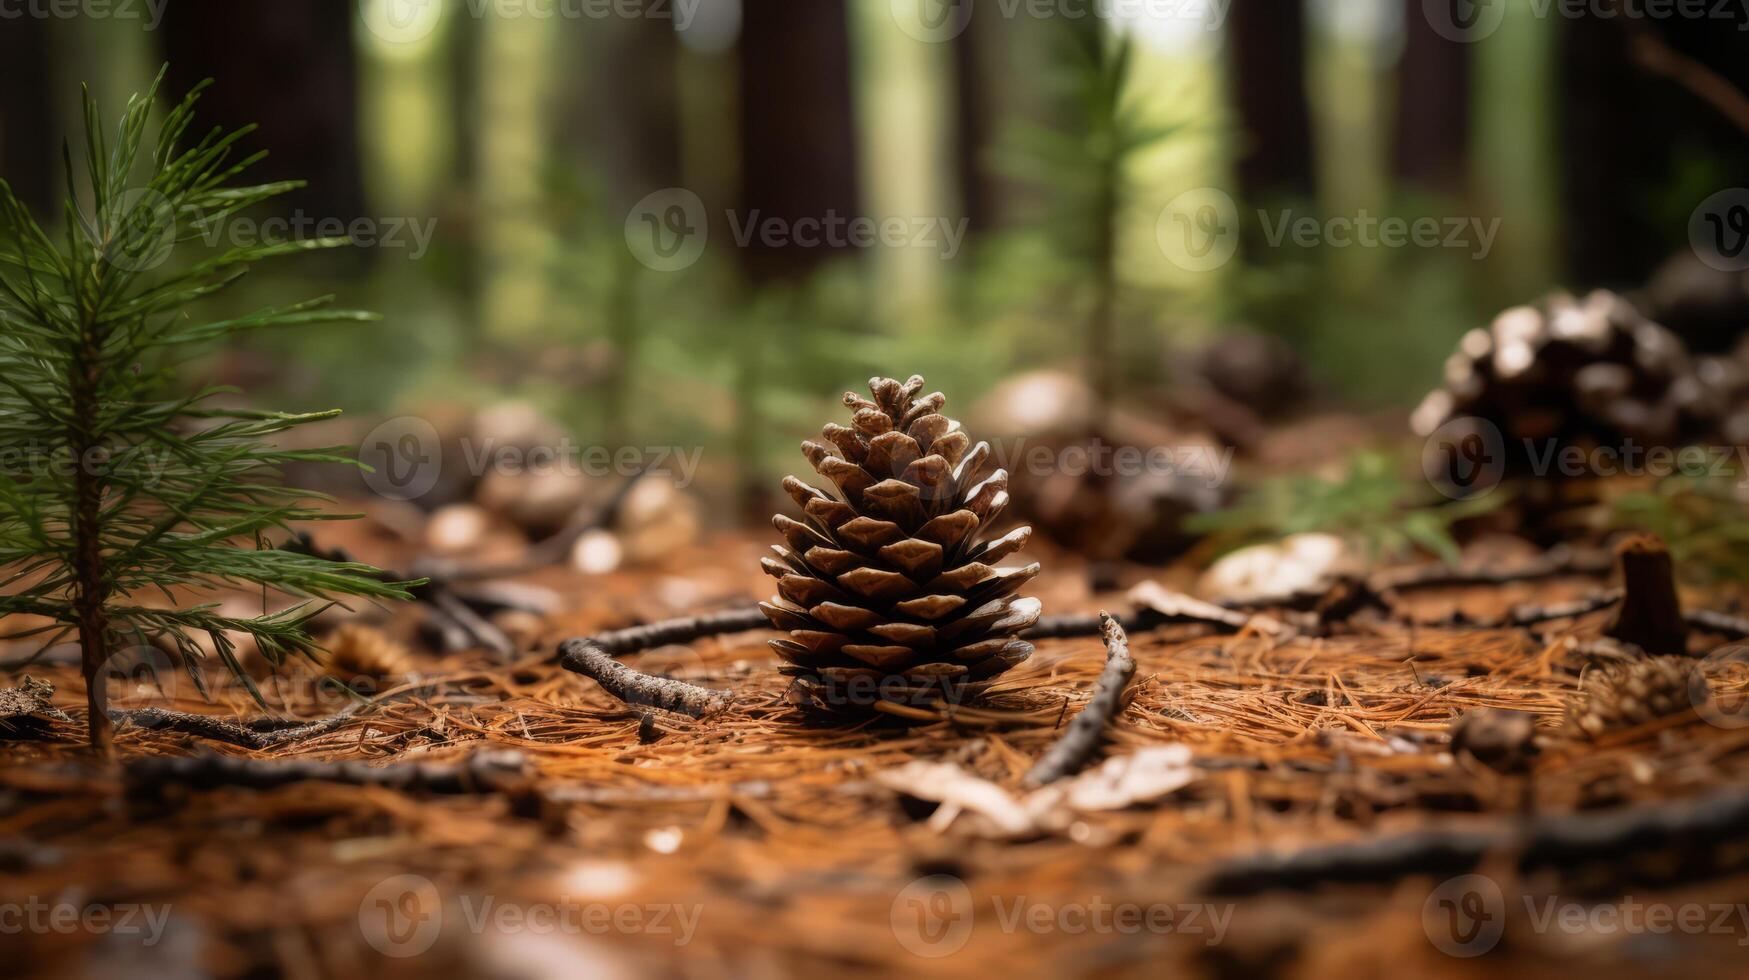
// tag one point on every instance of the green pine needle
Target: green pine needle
(181, 490)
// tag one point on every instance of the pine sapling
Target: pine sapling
(120, 497)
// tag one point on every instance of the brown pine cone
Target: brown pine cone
(1575, 372)
(356, 651)
(1631, 694)
(886, 587)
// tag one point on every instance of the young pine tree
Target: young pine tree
(114, 488)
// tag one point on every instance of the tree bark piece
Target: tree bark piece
(1081, 741)
(585, 656)
(1650, 615)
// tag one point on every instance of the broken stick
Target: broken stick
(585, 656)
(1650, 615)
(1078, 744)
(261, 734)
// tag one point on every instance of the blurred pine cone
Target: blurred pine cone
(355, 651)
(1631, 694)
(1573, 371)
(886, 587)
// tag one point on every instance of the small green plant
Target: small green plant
(1083, 165)
(1702, 519)
(115, 488)
(1371, 504)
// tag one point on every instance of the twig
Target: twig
(1650, 615)
(1574, 841)
(584, 656)
(1653, 55)
(1531, 614)
(1556, 562)
(684, 629)
(260, 734)
(1081, 740)
(480, 772)
(1078, 624)
(1724, 624)
(1158, 606)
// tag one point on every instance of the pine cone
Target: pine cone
(886, 589)
(353, 651)
(1573, 371)
(1631, 694)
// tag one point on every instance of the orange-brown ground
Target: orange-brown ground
(795, 862)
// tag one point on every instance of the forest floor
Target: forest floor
(758, 842)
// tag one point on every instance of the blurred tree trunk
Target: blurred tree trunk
(798, 133)
(973, 106)
(1274, 157)
(1432, 128)
(904, 103)
(1614, 138)
(513, 153)
(629, 133)
(28, 151)
(1515, 155)
(291, 69)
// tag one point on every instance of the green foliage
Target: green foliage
(1702, 519)
(1081, 166)
(115, 488)
(1370, 504)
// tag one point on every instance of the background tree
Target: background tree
(117, 488)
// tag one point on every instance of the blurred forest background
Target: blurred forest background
(528, 136)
